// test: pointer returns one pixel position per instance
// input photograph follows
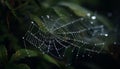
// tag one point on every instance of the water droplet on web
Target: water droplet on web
(81, 18)
(39, 47)
(93, 17)
(43, 52)
(48, 16)
(88, 14)
(106, 35)
(59, 55)
(66, 35)
(91, 22)
(67, 65)
(66, 47)
(115, 43)
(32, 22)
(22, 37)
(88, 54)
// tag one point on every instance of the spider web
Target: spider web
(77, 35)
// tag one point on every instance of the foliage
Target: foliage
(15, 16)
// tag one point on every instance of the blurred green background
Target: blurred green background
(14, 19)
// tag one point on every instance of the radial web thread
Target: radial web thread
(79, 34)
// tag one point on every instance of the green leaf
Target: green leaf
(12, 10)
(3, 54)
(17, 66)
(62, 13)
(50, 59)
(106, 22)
(80, 11)
(39, 22)
(23, 66)
(22, 53)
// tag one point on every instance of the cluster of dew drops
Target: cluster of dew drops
(88, 15)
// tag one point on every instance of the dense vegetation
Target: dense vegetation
(15, 18)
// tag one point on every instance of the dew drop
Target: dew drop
(91, 22)
(48, 16)
(77, 55)
(81, 18)
(32, 22)
(88, 54)
(67, 65)
(43, 52)
(22, 37)
(115, 43)
(93, 17)
(39, 47)
(106, 35)
(29, 55)
(88, 14)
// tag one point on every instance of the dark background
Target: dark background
(12, 30)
